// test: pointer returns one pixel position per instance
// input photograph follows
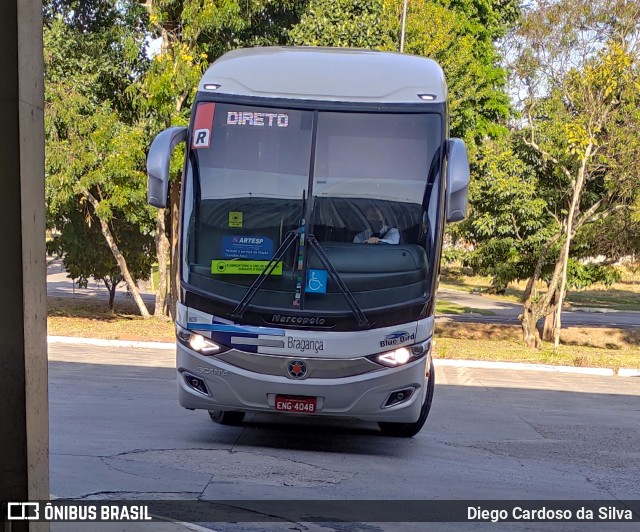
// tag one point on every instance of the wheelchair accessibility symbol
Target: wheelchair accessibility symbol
(316, 281)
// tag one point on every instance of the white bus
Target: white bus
(317, 183)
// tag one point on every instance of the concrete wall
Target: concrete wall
(24, 440)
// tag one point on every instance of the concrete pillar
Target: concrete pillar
(24, 430)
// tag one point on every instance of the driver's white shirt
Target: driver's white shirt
(391, 235)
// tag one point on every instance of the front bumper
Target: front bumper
(363, 396)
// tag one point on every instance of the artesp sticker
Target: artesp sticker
(247, 247)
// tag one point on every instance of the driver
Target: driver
(379, 232)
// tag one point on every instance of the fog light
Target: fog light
(400, 396)
(196, 383)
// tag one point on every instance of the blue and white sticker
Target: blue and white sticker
(247, 247)
(316, 282)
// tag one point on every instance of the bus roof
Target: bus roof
(328, 74)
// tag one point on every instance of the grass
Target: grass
(590, 347)
(91, 319)
(613, 298)
(506, 351)
(447, 307)
(623, 295)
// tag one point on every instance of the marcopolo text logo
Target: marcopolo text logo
(297, 320)
(398, 337)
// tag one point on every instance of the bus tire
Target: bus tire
(408, 430)
(227, 418)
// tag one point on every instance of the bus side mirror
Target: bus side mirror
(158, 164)
(457, 181)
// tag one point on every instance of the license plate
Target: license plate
(304, 405)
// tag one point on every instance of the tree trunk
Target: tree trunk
(540, 308)
(529, 320)
(111, 287)
(112, 295)
(564, 256)
(162, 251)
(550, 319)
(532, 313)
(174, 205)
(122, 263)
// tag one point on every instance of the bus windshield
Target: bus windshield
(364, 185)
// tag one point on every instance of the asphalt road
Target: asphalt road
(117, 431)
(507, 312)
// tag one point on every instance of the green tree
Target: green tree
(513, 223)
(193, 33)
(95, 147)
(343, 23)
(462, 36)
(82, 261)
(508, 221)
(576, 66)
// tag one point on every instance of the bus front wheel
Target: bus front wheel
(407, 430)
(227, 418)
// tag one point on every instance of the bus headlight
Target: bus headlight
(402, 355)
(198, 343)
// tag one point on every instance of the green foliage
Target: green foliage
(85, 252)
(580, 275)
(508, 221)
(342, 23)
(453, 253)
(577, 65)
(461, 36)
(194, 33)
(576, 142)
(488, 19)
(94, 141)
(615, 237)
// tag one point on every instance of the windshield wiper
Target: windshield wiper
(353, 304)
(291, 237)
(241, 307)
(310, 240)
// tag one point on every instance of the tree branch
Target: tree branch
(545, 154)
(599, 216)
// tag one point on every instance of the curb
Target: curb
(480, 364)
(100, 342)
(594, 310)
(623, 372)
(483, 364)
